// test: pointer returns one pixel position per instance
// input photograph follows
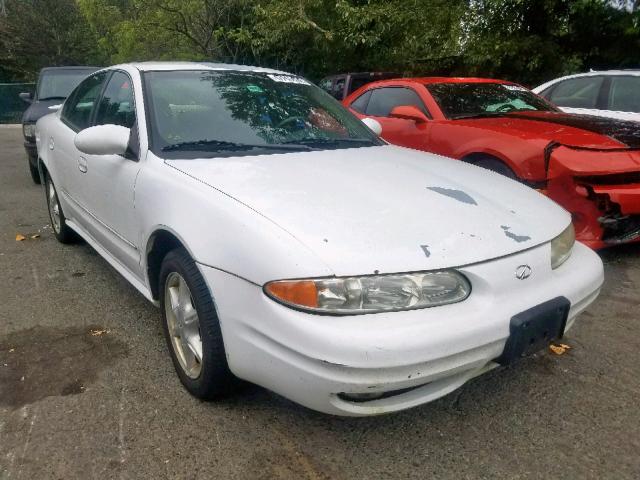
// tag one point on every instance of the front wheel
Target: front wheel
(192, 329)
(58, 221)
(35, 174)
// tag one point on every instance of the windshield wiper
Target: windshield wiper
(480, 115)
(53, 97)
(328, 141)
(222, 145)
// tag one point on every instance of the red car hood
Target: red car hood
(567, 129)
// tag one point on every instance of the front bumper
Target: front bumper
(423, 354)
(601, 189)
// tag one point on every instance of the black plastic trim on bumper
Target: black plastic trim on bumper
(534, 329)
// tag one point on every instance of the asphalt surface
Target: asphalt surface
(87, 388)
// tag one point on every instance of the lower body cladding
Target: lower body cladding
(379, 363)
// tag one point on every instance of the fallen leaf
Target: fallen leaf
(20, 238)
(98, 332)
(559, 349)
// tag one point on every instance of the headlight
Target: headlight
(561, 246)
(370, 294)
(29, 130)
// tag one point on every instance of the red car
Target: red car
(589, 165)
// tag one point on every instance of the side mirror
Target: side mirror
(26, 96)
(373, 125)
(409, 112)
(103, 140)
(55, 108)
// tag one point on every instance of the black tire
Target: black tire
(35, 174)
(495, 165)
(215, 379)
(63, 233)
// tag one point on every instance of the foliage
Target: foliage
(38, 33)
(525, 40)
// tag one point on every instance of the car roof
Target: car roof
(173, 66)
(74, 67)
(430, 80)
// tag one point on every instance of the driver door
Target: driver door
(109, 180)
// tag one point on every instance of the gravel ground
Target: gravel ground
(87, 389)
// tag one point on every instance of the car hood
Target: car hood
(39, 109)
(585, 131)
(386, 209)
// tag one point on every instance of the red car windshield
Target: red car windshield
(469, 100)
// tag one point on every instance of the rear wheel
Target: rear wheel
(58, 221)
(192, 329)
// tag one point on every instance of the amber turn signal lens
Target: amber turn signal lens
(303, 292)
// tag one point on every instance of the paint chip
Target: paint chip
(425, 250)
(455, 194)
(513, 236)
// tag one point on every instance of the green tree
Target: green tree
(39, 33)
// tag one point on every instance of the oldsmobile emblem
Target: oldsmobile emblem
(523, 272)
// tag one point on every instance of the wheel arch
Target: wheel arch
(474, 157)
(161, 241)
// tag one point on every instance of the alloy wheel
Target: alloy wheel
(183, 325)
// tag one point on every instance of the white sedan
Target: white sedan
(612, 94)
(287, 245)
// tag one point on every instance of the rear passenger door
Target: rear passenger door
(76, 115)
(398, 131)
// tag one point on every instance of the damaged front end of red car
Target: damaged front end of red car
(601, 189)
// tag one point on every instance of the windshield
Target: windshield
(468, 100)
(58, 84)
(213, 113)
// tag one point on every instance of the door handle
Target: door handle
(82, 164)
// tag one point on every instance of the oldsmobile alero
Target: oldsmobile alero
(286, 244)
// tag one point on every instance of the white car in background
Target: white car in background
(289, 246)
(613, 94)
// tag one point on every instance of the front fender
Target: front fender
(219, 231)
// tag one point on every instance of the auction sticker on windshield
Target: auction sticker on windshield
(514, 88)
(288, 79)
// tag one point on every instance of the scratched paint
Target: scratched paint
(425, 250)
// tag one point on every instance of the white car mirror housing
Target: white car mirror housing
(103, 140)
(373, 125)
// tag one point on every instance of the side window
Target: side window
(338, 88)
(360, 103)
(624, 95)
(77, 110)
(577, 92)
(116, 105)
(383, 100)
(325, 84)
